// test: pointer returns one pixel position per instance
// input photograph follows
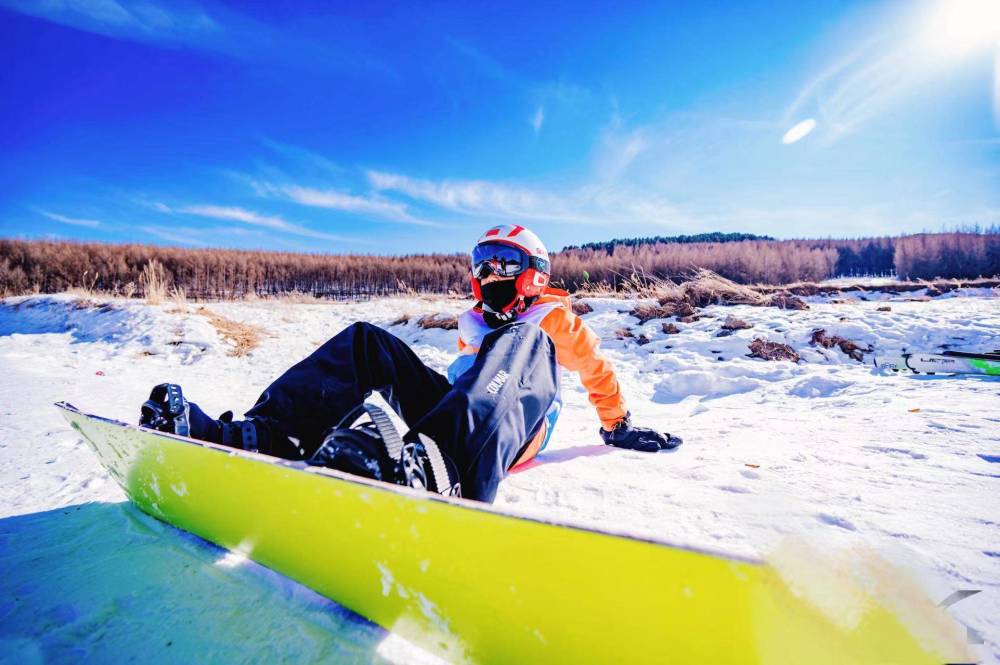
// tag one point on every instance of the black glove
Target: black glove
(643, 439)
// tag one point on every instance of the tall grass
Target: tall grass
(153, 281)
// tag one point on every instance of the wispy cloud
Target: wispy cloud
(205, 236)
(618, 147)
(538, 119)
(208, 25)
(486, 65)
(913, 48)
(469, 197)
(856, 89)
(626, 189)
(135, 18)
(539, 93)
(592, 204)
(73, 221)
(236, 214)
(337, 200)
(372, 206)
(304, 158)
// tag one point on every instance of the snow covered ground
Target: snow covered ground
(829, 450)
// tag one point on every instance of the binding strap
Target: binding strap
(390, 437)
(444, 482)
(249, 432)
(178, 409)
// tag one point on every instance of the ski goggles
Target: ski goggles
(503, 260)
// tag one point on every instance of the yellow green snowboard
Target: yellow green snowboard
(474, 584)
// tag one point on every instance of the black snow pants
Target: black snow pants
(482, 422)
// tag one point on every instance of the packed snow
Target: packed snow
(830, 450)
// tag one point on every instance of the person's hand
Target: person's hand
(643, 439)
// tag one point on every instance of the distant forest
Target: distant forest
(716, 236)
(49, 267)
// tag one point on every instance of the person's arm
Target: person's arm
(577, 350)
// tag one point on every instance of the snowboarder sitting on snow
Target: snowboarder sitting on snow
(494, 411)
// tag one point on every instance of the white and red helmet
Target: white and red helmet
(534, 274)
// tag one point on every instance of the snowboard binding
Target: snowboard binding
(167, 410)
(374, 449)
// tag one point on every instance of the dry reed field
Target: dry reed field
(160, 273)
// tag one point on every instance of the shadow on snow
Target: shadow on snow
(102, 582)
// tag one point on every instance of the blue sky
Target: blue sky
(412, 127)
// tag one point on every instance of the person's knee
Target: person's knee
(370, 338)
(362, 327)
(365, 329)
(352, 334)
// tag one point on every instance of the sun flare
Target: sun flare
(959, 27)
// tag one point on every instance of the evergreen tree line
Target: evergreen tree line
(714, 236)
(50, 267)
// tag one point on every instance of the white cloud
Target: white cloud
(618, 148)
(470, 197)
(105, 11)
(538, 119)
(235, 214)
(303, 158)
(591, 204)
(222, 27)
(119, 17)
(333, 199)
(205, 236)
(337, 200)
(73, 221)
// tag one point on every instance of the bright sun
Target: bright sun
(958, 27)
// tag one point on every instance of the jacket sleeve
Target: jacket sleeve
(576, 350)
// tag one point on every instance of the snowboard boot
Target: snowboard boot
(374, 449)
(167, 410)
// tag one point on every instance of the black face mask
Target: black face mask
(499, 294)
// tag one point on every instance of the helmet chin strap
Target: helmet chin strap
(509, 312)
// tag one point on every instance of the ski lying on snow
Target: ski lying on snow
(473, 583)
(995, 355)
(949, 362)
